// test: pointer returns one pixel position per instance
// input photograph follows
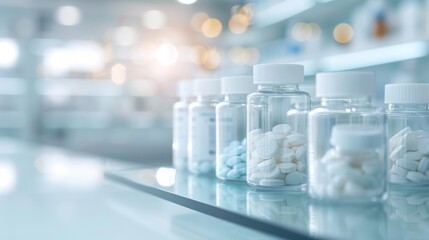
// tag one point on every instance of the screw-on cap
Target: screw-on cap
(345, 84)
(278, 74)
(238, 85)
(207, 87)
(406, 93)
(355, 136)
(185, 88)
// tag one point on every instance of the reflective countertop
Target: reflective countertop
(290, 215)
(50, 193)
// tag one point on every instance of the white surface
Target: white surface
(49, 193)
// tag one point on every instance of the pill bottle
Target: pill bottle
(202, 126)
(276, 128)
(355, 168)
(346, 98)
(408, 134)
(180, 125)
(231, 129)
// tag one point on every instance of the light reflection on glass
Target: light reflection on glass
(7, 177)
(166, 176)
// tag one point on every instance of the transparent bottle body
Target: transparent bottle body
(231, 138)
(202, 136)
(320, 123)
(276, 142)
(408, 139)
(180, 134)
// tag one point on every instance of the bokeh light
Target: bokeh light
(7, 177)
(143, 53)
(238, 23)
(242, 56)
(197, 20)
(316, 31)
(118, 73)
(154, 19)
(68, 15)
(343, 33)
(187, 1)
(166, 177)
(9, 52)
(302, 32)
(166, 54)
(211, 59)
(125, 36)
(211, 28)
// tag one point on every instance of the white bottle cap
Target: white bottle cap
(185, 88)
(238, 85)
(207, 87)
(345, 84)
(278, 74)
(355, 136)
(406, 93)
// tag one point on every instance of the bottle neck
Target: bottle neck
(235, 98)
(408, 107)
(201, 98)
(186, 99)
(278, 88)
(340, 102)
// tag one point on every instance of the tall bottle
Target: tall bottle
(276, 128)
(202, 126)
(180, 125)
(347, 98)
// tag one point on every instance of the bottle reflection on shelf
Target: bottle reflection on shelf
(231, 196)
(285, 209)
(202, 188)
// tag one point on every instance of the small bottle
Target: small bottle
(180, 126)
(276, 123)
(408, 134)
(346, 98)
(354, 169)
(202, 127)
(231, 123)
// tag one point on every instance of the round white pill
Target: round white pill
(399, 135)
(397, 153)
(353, 189)
(295, 178)
(412, 156)
(423, 146)
(300, 153)
(284, 129)
(285, 144)
(399, 171)
(296, 139)
(287, 167)
(230, 162)
(275, 173)
(411, 141)
(267, 165)
(266, 147)
(417, 177)
(267, 182)
(409, 165)
(286, 155)
(423, 165)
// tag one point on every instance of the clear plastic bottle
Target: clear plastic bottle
(202, 127)
(354, 169)
(408, 134)
(347, 98)
(276, 123)
(231, 129)
(180, 126)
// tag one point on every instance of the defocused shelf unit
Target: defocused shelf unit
(283, 214)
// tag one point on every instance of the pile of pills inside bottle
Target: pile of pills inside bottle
(355, 167)
(407, 122)
(233, 161)
(409, 156)
(277, 157)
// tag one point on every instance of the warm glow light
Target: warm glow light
(211, 59)
(7, 177)
(211, 27)
(166, 54)
(198, 20)
(241, 56)
(343, 33)
(316, 31)
(238, 23)
(166, 176)
(68, 15)
(8, 53)
(154, 19)
(118, 74)
(125, 36)
(144, 52)
(302, 32)
(187, 1)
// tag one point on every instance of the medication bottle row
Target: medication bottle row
(263, 130)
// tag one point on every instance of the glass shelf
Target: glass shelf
(405, 215)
